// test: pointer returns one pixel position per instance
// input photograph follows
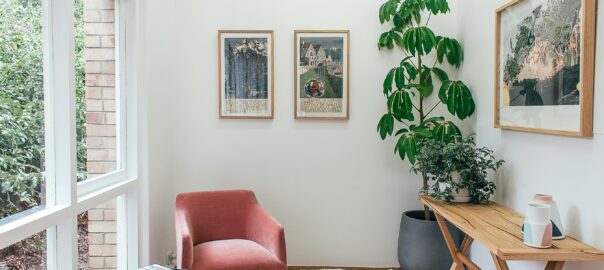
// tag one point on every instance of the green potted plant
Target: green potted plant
(407, 88)
(457, 170)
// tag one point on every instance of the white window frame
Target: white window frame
(65, 197)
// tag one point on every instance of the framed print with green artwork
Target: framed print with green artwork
(321, 65)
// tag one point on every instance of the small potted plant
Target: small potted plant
(457, 170)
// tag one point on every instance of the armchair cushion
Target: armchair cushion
(234, 254)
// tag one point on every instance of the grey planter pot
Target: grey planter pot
(421, 245)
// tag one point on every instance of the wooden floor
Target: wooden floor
(338, 268)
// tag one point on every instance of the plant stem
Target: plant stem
(422, 118)
(426, 209)
(421, 99)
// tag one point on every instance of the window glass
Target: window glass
(21, 107)
(96, 99)
(97, 237)
(28, 254)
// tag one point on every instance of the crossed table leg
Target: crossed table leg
(460, 256)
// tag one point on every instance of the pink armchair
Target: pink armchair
(227, 230)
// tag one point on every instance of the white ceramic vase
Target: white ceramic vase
(461, 196)
(537, 229)
(557, 230)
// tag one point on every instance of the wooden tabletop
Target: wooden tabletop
(498, 228)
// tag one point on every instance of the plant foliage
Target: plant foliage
(438, 160)
(408, 85)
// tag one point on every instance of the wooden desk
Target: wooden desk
(498, 228)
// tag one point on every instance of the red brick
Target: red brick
(100, 167)
(109, 105)
(92, 67)
(95, 118)
(108, 41)
(108, 67)
(99, 4)
(100, 130)
(108, 93)
(100, 142)
(101, 155)
(93, 105)
(110, 118)
(101, 250)
(99, 54)
(100, 80)
(92, 16)
(92, 41)
(94, 92)
(99, 28)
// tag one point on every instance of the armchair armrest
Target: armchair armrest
(267, 232)
(184, 241)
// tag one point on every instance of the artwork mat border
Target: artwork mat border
(271, 33)
(296, 48)
(586, 103)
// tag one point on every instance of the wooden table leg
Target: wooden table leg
(466, 244)
(457, 263)
(501, 264)
(554, 265)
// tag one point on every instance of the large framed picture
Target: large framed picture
(321, 82)
(246, 74)
(544, 66)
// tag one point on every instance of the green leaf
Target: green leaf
(386, 125)
(446, 131)
(458, 98)
(388, 81)
(399, 103)
(410, 145)
(426, 82)
(442, 93)
(441, 74)
(420, 40)
(437, 6)
(451, 49)
(411, 70)
(452, 98)
(383, 40)
(399, 77)
(422, 132)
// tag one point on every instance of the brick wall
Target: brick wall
(99, 29)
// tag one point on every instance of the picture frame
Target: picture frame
(544, 79)
(322, 74)
(246, 84)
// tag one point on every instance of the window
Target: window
(65, 174)
(21, 107)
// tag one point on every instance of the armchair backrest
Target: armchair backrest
(216, 215)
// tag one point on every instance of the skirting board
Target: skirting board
(339, 268)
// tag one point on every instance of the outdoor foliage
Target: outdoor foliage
(22, 104)
(22, 163)
(438, 160)
(408, 85)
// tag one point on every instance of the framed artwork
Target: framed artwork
(246, 68)
(544, 66)
(321, 70)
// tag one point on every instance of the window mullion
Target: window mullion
(61, 134)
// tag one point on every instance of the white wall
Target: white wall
(343, 208)
(568, 168)
(158, 83)
(338, 190)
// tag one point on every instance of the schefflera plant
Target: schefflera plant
(409, 85)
